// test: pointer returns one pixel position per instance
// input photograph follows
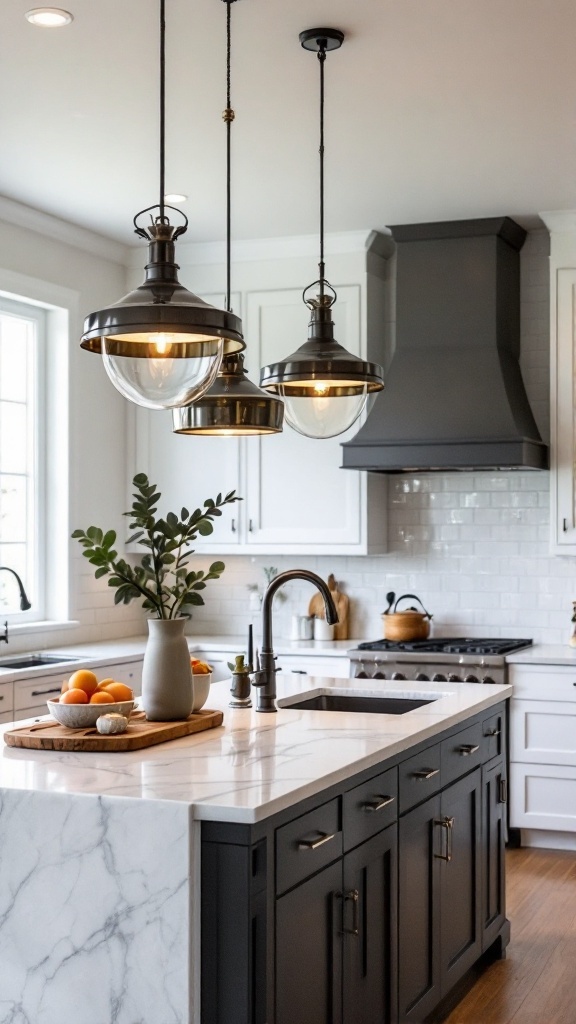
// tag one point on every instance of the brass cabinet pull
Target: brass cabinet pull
(426, 773)
(353, 895)
(503, 791)
(313, 844)
(447, 824)
(42, 693)
(378, 803)
(496, 732)
(468, 748)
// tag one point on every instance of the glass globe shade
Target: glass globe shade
(325, 411)
(169, 373)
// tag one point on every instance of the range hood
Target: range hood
(454, 397)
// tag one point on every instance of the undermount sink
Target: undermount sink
(378, 705)
(34, 661)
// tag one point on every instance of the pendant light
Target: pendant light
(233, 405)
(162, 345)
(324, 387)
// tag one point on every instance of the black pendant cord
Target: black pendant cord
(321, 267)
(228, 116)
(162, 106)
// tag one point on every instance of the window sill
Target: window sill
(44, 626)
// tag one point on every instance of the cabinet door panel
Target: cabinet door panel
(419, 912)
(301, 499)
(543, 732)
(461, 876)
(493, 891)
(309, 951)
(562, 489)
(370, 991)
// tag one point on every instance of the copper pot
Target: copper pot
(406, 625)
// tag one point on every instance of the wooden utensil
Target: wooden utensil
(342, 602)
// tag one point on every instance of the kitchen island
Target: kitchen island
(107, 862)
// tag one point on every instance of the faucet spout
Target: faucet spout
(265, 678)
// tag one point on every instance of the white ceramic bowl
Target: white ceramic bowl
(201, 689)
(83, 716)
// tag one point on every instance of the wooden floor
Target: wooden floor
(536, 984)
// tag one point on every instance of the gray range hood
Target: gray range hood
(454, 395)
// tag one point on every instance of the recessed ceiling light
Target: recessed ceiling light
(175, 197)
(49, 17)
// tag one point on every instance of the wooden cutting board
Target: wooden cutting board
(342, 602)
(140, 733)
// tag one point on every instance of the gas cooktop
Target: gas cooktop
(447, 645)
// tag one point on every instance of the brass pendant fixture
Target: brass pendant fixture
(325, 388)
(162, 345)
(233, 405)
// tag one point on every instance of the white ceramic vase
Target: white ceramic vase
(167, 693)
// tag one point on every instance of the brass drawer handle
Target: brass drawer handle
(426, 773)
(496, 732)
(353, 895)
(468, 748)
(503, 791)
(42, 693)
(379, 803)
(313, 844)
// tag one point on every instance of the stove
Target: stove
(440, 659)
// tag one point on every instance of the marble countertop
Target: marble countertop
(256, 764)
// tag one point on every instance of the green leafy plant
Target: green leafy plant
(162, 579)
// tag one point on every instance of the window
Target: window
(22, 431)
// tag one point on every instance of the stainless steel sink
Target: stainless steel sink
(35, 661)
(384, 705)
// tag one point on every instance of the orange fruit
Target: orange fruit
(101, 697)
(120, 691)
(105, 683)
(74, 695)
(83, 679)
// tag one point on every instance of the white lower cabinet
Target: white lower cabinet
(6, 702)
(30, 695)
(129, 672)
(543, 749)
(338, 668)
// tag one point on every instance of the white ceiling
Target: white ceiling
(436, 109)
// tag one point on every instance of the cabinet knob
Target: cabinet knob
(496, 732)
(468, 748)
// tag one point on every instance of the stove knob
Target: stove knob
(488, 679)
(453, 678)
(361, 675)
(378, 675)
(471, 679)
(439, 678)
(421, 678)
(398, 675)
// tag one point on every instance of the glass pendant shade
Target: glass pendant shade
(162, 345)
(324, 387)
(233, 406)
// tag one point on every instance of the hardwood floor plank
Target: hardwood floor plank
(536, 984)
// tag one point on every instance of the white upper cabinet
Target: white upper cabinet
(296, 498)
(562, 228)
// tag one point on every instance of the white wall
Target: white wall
(56, 262)
(473, 546)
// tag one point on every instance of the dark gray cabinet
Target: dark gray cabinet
(369, 905)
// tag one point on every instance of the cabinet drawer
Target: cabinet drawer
(307, 844)
(31, 694)
(543, 732)
(368, 808)
(6, 698)
(493, 734)
(419, 777)
(461, 753)
(543, 797)
(544, 682)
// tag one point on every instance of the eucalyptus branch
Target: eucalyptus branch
(160, 578)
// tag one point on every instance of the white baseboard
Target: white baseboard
(548, 840)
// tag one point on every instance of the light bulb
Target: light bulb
(322, 414)
(170, 373)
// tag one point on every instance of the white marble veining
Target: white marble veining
(257, 764)
(94, 910)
